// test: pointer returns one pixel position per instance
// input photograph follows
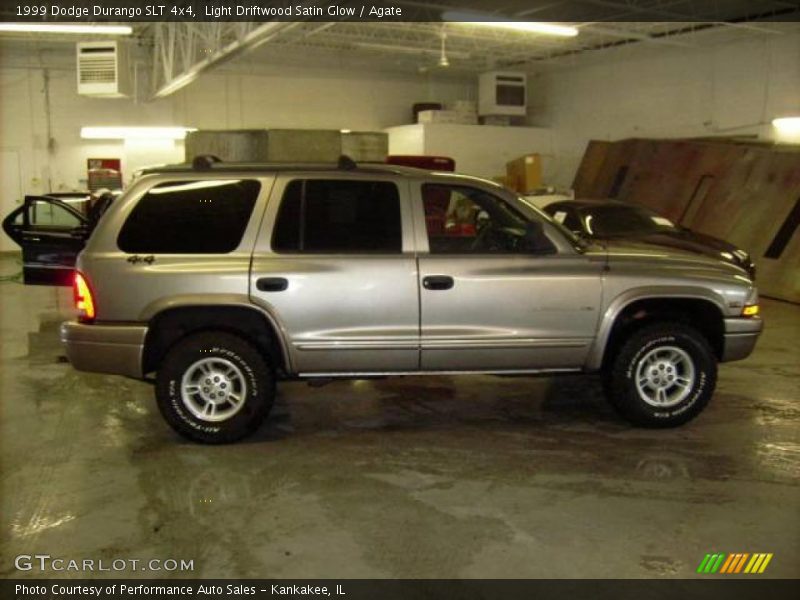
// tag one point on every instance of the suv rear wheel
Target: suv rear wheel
(214, 388)
(662, 376)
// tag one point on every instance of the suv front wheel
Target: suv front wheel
(662, 376)
(214, 388)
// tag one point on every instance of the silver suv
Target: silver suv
(222, 279)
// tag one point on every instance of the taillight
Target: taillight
(84, 302)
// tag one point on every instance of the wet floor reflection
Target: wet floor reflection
(403, 477)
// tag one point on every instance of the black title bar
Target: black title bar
(730, 588)
(573, 11)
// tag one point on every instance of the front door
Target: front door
(335, 266)
(496, 294)
(51, 233)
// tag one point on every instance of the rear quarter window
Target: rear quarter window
(190, 217)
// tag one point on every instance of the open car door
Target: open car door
(51, 233)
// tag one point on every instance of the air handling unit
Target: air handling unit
(502, 93)
(103, 69)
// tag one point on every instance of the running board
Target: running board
(374, 374)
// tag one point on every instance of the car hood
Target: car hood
(685, 239)
(663, 256)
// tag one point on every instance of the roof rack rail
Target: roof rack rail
(204, 162)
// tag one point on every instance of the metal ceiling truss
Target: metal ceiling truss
(183, 51)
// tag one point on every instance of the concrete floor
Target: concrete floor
(411, 477)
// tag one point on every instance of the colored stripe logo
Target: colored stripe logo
(738, 562)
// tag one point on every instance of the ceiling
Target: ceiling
(181, 48)
(475, 49)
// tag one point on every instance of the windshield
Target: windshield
(615, 219)
(578, 242)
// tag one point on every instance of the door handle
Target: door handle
(437, 282)
(272, 284)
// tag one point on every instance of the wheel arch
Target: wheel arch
(172, 322)
(631, 310)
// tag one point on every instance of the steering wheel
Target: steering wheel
(491, 238)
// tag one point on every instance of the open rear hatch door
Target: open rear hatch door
(51, 233)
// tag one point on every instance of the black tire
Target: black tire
(255, 383)
(621, 385)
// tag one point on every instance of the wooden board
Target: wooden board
(740, 192)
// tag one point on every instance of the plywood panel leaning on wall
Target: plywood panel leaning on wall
(745, 193)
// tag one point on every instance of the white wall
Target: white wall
(648, 91)
(733, 88)
(245, 95)
(478, 150)
(27, 124)
(311, 98)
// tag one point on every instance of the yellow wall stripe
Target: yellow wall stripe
(754, 560)
(765, 563)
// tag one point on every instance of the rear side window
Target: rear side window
(338, 216)
(190, 217)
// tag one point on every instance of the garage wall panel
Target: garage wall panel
(749, 192)
(713, 86)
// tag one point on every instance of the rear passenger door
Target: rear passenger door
(51, 233)
(177, 239)
(335, 265)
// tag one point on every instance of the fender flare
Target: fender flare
(594, 360)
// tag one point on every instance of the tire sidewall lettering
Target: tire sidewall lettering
(174, 386)
(698, 388)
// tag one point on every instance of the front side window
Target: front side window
(464, 220)
(46, 214)
(190, 217)
(338, 216)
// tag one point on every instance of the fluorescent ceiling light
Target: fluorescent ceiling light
(66, 28)
(787, 124)
(483, 20)
(134, 133)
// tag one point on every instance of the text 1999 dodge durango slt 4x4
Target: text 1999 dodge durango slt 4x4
(221, 279)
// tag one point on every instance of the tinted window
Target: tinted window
(463, 220)
(564, 215)
(617, 219)
(190, 217)
(338, 216)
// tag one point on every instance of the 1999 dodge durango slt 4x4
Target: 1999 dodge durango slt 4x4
(224, 278)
